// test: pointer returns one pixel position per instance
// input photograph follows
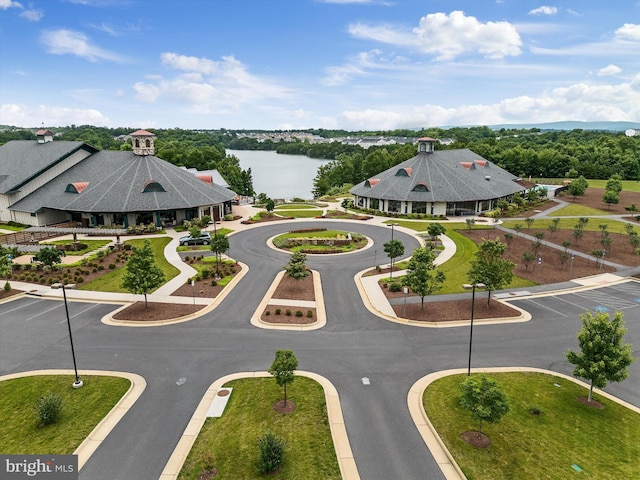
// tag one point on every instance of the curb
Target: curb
(346, 462)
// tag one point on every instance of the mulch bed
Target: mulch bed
(10, 293)
(283, 408)
(156, 311)
(291, 289)
(455, 310)
(477, 439)
(203, 287)
(593, 403)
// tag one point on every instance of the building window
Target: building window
(152, 186)
(394, 206)
(374, 203)
(418, 207)
(485, 205)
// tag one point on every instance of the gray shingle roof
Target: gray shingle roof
(116, 182)
(22, 160)
(450, 176)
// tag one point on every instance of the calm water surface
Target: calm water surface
(279, 176)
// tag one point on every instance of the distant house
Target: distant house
(445, 182)
(632, 132)
(44, 182)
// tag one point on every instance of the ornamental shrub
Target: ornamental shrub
(271, 452)
(298, 313)
(48, 409)
(278, 311)
(309, 314)
(287, 312)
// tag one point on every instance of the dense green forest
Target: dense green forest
(523, 152)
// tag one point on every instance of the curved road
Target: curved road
(180, 361)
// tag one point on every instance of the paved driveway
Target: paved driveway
(180, 361)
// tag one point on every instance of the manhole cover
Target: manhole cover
(223, 393)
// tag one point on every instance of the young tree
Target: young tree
(6, 256)
(219, 245)
(614, 183)
(578, 187)
(422, 276)
(529, 221)
(49, 256)
(603, 356)
(434, 230)
(611, 197)
(527, 258)
(297, 268)
(484, 398)
(490, 268)
(394, 249)
(283, 369)
(194, 231)
(142, 274)
(470, 222)
(269, 205)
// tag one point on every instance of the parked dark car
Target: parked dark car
(203, 239)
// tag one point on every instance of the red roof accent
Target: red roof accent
(44, 132)
(80, 186)
(467, 165)
(373, 181)
(142, 133)
(205, 178)
(408, 170)
(481, 163)
(427, 139)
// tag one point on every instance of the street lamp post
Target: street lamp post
(473, 287)
(78, 383)
(392, 225)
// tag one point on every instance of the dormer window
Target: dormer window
(76, 187)
(420, 187)
(371, 182)
(152, 186)
(404, 172)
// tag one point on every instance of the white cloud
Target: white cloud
(63, 42)
(26, 116)
(544, 10)
(448, 36)
(580, 101)
(609, 70)
(360, 65)
(4, 4)
(32, 15)
(209, 86)
(629, 31)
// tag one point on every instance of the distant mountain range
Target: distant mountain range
(571, 125)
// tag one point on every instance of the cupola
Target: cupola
(142, 142)
(44, 136)
(425, 144)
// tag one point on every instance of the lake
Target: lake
(280, 176)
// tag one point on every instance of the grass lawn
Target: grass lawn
(295, 206)
(310, 213)
(112, 281)
(82, 410)
(605, 443)
(578, 210)
(614, 226)
(91, 245)
(13, 228)
(233, 438)
(627, 185)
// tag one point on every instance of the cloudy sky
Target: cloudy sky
(347, 64)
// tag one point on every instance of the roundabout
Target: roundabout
(179, 362)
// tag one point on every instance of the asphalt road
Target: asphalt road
(180, 361)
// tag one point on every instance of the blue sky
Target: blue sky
(337, 64)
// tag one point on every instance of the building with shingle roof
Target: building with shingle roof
(443, 182)
(43, 183)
